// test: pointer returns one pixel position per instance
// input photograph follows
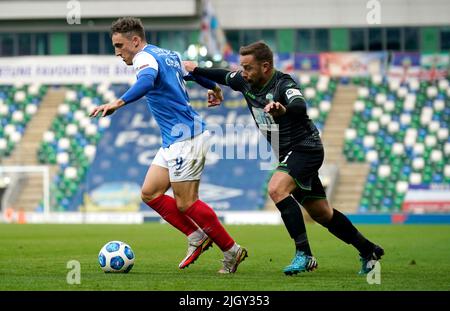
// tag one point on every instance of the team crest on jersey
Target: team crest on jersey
(293, 92)
(269, 97)
(233, 74)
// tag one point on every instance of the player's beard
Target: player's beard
(256, 82)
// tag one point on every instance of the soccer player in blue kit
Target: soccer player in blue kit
(180, 161)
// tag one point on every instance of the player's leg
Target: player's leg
(338, 224)
(280, 187)
(186, 164)
(153, 192)
(186, 194)
(154, 188)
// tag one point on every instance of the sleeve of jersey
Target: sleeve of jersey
(146, 68)
(206, 83)
(144, 83)
(232, 79)
(235, 80)
(190, 76)
(143, 61)
(216, 75)
(295, 101)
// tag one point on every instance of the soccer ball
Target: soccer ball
(116, 256)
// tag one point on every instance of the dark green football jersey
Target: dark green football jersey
(295, 131)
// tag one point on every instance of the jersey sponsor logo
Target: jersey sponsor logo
(293, 92)
(262, 118)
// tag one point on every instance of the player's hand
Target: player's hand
(189, 66)
(107, 109)
(215, 97)
(275, 109)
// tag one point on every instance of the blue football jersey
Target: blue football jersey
(168, 100)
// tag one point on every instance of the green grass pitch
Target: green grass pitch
(34, 257)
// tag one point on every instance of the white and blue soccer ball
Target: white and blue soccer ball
(116, 256)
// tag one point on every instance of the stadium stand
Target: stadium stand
(18, 104)
(401, 129)
(71, 141)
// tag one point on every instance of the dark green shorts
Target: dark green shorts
(303, 167)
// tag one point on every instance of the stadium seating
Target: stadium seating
(402, 130)
(71, 141)
(318, 91)
(18, 104)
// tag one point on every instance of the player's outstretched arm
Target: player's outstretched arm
(144, 82)
(215, 74)
(215, 94)
(107, 109)
(206, 83)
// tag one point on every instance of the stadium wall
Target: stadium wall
(228, 218)
(29, 28)
(234, 14)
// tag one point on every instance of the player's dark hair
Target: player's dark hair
(128, 26)
(260, 50)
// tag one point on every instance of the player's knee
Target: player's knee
(276, 193)
(149, 196)
(183, 205)
(322, 214)
(322, 219)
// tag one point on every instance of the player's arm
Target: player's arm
(206, 83)
(215, 94)
(146, 69)
(233, 79)
(295, 102)
(215, 74)
(144, 83)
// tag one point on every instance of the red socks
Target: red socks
(167, 207)
(207, 219)
(199, 212)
